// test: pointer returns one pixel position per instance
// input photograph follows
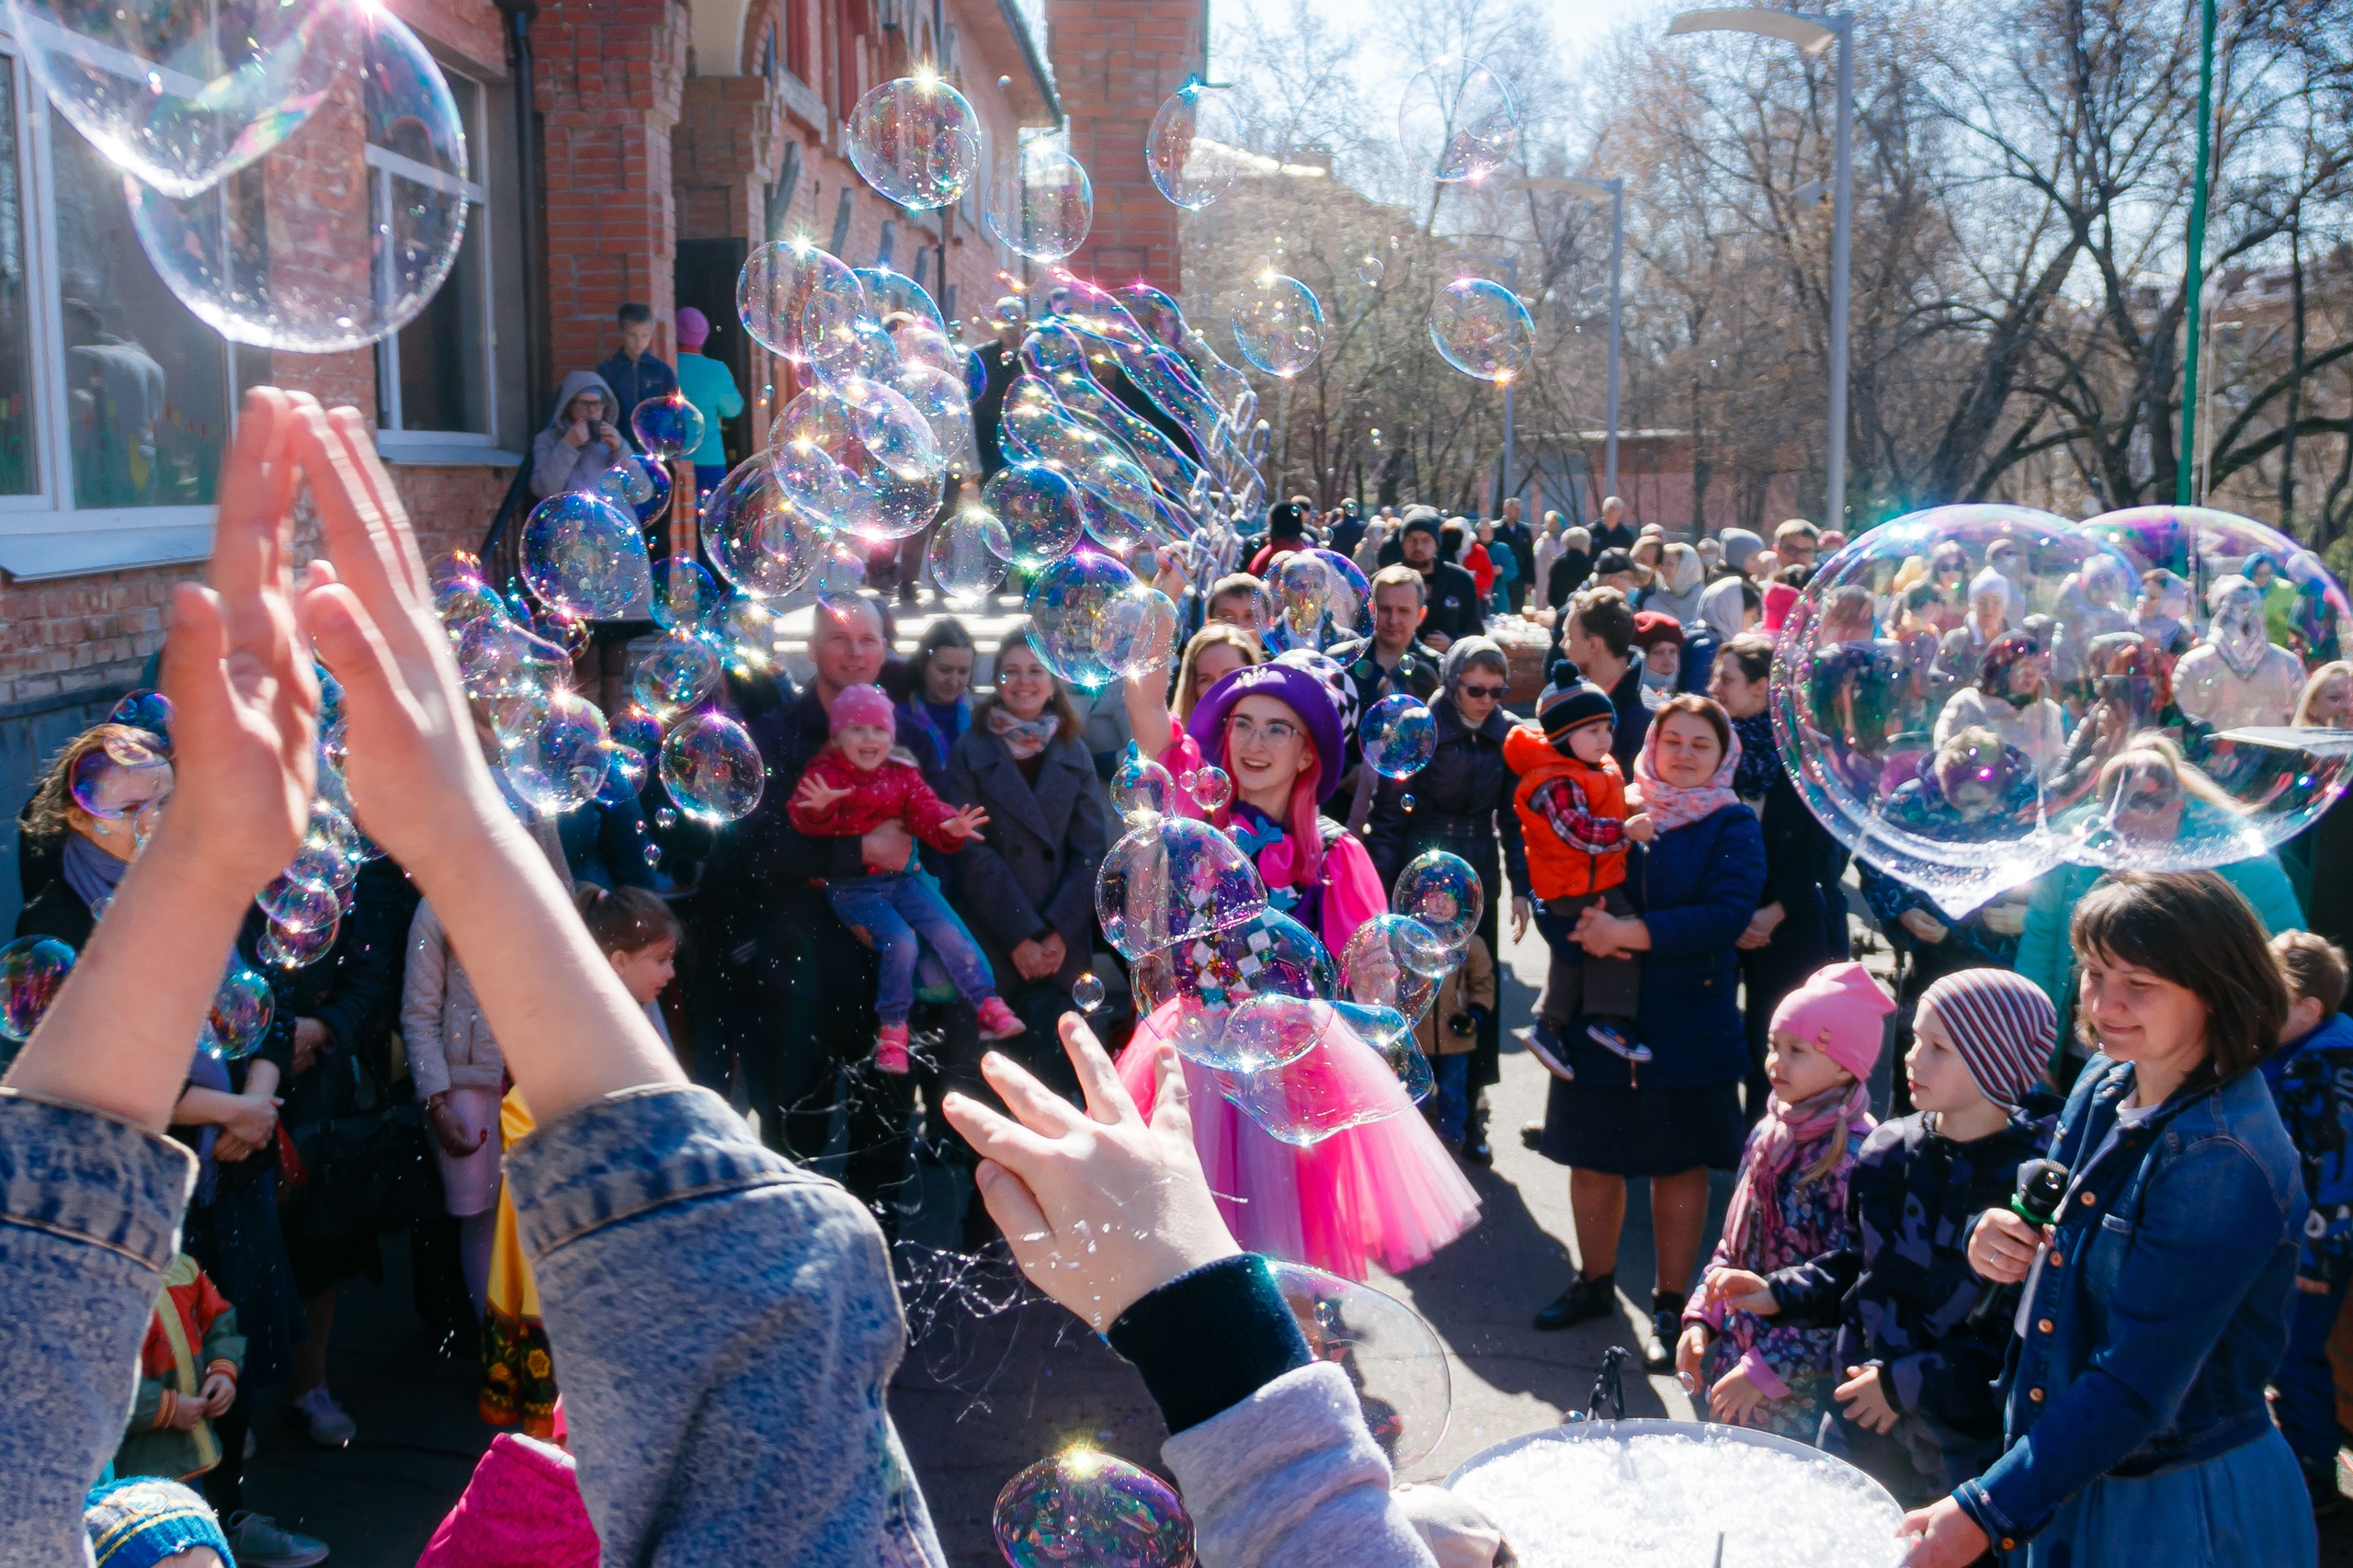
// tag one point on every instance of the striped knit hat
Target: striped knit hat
(2003, 1026)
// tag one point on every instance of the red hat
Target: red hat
(862, 705)
(1656, 625)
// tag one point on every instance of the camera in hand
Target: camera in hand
(2042, 1187)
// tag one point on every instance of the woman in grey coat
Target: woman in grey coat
(581, 440)
(1029, 891)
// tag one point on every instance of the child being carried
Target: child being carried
(856, 784)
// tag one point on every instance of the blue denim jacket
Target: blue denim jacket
(2162, 1306)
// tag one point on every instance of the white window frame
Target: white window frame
(393, 439)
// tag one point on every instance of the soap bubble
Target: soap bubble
(121, 779)
(1211, 788)
(240, 1016)
(748, 634)
(144, 709)
(1395, 961)
(1081, 1506)
(559, 763)
(890, 293)
(1443, 892)
(1141, 789)
(669, 428)
(1332, 1081)
(711, 768)
(1390, 1354)
(1194, 147)
(1303, 586)
(1040, 202)
(893, 429)
(1460, 121)
(968, 556)
(316, 249)
(1086, 991)
(790, 294)
(917, 141)
(1173, 881)
(1087, 612)
(1234, 999)
(299, 903)
(625, 483)
(760, 541)
(31, 970)
(1399, 735)
(1372, 269)
(635, 729)
(182, 95)
(679, 671)
(683, 593)
(282, 947)
(584, 555)
(1279, 325)
(652, 494)
(1482, 329)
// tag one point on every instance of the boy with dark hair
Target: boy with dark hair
(634, 372)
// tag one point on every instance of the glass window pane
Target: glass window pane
(146, 383)
(19, 468)
(443, 353)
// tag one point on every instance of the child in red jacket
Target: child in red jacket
(854, 786)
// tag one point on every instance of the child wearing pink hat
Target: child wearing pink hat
(859, 781)
(1790, 1205)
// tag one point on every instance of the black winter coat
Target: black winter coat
(1461, 804)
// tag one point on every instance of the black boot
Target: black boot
(1583, 1301)
(1666, 1327)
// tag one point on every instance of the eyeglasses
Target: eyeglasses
(1273, 732)
(1481, 693)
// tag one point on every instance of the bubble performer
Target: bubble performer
(1384, 1190)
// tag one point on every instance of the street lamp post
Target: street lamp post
(1813, 34)
(1613, 191)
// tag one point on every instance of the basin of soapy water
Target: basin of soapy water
(1660, 1494)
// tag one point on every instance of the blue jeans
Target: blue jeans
(892, 910)
(1453, 1094)
(2306, 1404)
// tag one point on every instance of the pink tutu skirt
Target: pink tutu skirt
(1380, 1190)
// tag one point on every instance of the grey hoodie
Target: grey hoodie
(557, 465)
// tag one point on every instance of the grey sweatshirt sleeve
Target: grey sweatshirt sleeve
(1289, 1476)
(90, 1211)
(727, 1327)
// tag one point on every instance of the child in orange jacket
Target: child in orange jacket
(1571, 804)
(187, 1374)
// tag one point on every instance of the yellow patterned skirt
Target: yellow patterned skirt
(518, 1375)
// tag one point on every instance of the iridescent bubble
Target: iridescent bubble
(300, 903)
(1140, 789)
(1039, 509)
(625, 485)
(1279, 325)
(1395, 961)
(1086, 991)
(282, 947)
(758, 538)
(664, 818)
(148, 711)
(586, 557)
(182, 95)
(1392, 1357)
(789, 293)
(1086, 610)
(1372, 269)
(680, 670)
(1212, 789)
(1399, 734)
(1303, 586)
(711, 768)
(636, 728)
(892, 294)
(1482, 329)
(240, 1016)
(750, 635)
(851, 348)
(1351, 591)
(669, 428)
(968, 556)
(559, 764)
(684, 594)
(119, 780)
(374, 238)
(1332, 1080)
(1459, 120)
(1443, 892)
(1040, 203)
(31, 970)
(652, 502)
(1081, 1506)
(1173, 881)
(893, 429)
(1194, 147)
(561, 628)
(917, 141)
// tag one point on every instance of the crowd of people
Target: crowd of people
(521, 1046)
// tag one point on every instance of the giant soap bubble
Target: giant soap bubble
(1171, 882)
(968, 556)
(1194, 149)
(584, 555)
(1086, 610)
(333, 241)
(711, 768)
(1459, 120)
(1081, 1506)
(1481, 328)
(1040, 201)
(760, 540)
(1279, 325)
(1392, 1357)
(917, 141)
(789, 293)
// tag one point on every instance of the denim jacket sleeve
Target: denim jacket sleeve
(727, 1327)
(2179, 1282)
(89, 1218)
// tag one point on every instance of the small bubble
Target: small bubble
(1087, 992)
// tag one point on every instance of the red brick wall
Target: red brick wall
(1115, 61)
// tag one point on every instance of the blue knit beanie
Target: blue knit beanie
(140, 1522)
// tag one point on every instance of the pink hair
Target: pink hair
(1299, 822)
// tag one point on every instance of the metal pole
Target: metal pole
(1616, 268)
(1512, 263)
(2194, 280)
(1841, 224)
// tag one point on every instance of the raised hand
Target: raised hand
(1741, 1290)
(815, 795)
(967, 823)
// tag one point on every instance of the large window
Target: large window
(19, 458)
(436, 375)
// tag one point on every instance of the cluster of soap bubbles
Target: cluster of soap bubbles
(1975, 694)
(298, 174)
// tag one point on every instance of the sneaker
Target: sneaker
(891, 1049)
(260, 1542)
(323, 1422)
(1583, 1301)
(1666, 1327)
(1615, 1041)
(999, 1022)
(1544, 1044)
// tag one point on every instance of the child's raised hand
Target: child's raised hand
(967, 823)
(1865, 1397)
(1740, 1289)
(1640, 828)
(1733, 1397)
(219, 1392)
(815, 795)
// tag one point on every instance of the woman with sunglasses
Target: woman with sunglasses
(1460, 803)
(1385, 1189)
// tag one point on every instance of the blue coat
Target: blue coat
(2312, 1083)
(1695, 887)
(2162, 1306)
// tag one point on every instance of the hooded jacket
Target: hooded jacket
(557, 465)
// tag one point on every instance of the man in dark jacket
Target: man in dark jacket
(1392, 660)
(1348, 528)
(1615, 532)
(1453, 598)
(1002, 362)
(1513, 533)
(634, 372)
(1598, 631)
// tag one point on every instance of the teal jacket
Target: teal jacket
(710, 387)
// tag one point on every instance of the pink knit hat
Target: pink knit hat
(862, 705)
(1838, 1011)
(1779, 599)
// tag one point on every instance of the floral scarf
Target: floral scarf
(1759, 767)
(1671, 806)
(1025, 738)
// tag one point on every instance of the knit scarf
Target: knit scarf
(1759, 767)
(1671, 806)
(1773, 1148)
(1025, 738)
(91, 873)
